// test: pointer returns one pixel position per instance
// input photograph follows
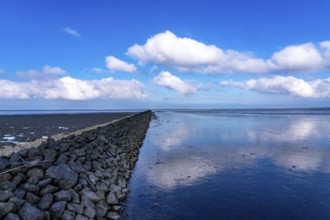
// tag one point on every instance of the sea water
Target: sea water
(233, 164)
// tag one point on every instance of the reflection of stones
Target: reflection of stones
(79, 177)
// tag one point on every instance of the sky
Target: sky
(133, 54)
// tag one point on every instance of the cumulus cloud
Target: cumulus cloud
(189, 55)
(71, 31)
(45, 73)
(117, 65)
(166, 79)
(301, 58)
(72, 89)
(286, 85)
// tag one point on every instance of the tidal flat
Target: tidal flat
(233, 164)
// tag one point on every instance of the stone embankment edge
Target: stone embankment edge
(79, 177)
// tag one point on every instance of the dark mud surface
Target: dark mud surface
(22, 128)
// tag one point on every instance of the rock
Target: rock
(5, 195)
(90, 196)
(63, 175)
(45, 182)
(113, 216)
(36, 172)
(75, 196)
(18, 179)
(80, 217)
(78, 187)
(5, 208)
(101, 208)
(68, 215)
(93, 178)
(20, 193)
(63, 159)
(30, 212)
(121, 182)
(23, 153)
(33, 180)
(45, 201)
(101, 194)
(33, 152)
(79, 208)
(113, 150)
(18, 202)
(63, 195)
(80, 152)
(30, 187)
(49, 155)
(98, 174)
(57, 209)
(48, 189)
(83, 182)
(116, 208)
(64, 147)
(3, 163)
(70, 207)
(102, 186)
(121, 196)
(111, 199)
(7, 185)
(114, 188)
(90, 212)
(5, 177)
(87, 202)
(12, 216)
(31, 198)
(82, 177)
(77, 167)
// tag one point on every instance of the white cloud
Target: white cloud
(72, 89)
(98, 70)
(71, 31)
(189, 55)
(2, 71)
(166, 79)
(286, 85)
(46, 73)
(118, 65)
(301, 58)
(53, 70)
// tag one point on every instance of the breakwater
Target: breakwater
(78, 177)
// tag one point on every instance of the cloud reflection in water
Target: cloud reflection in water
(197, 147)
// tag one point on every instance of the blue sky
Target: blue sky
(111, 54)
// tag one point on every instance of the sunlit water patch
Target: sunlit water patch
(233, 165)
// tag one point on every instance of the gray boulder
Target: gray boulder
(30, 212)
(63, 175)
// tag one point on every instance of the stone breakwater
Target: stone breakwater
(78, 177)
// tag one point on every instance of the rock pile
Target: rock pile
(79, 177)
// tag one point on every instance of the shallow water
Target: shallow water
(233, 164)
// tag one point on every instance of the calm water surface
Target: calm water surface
(233, 164)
